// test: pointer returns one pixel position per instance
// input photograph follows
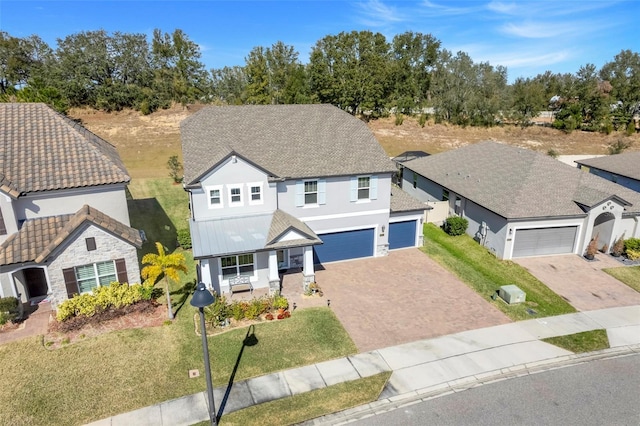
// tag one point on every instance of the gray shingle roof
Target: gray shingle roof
(519, 183)
(626, 164)
(403, 202)
(42, 150)
(288, 141)
(38, 238)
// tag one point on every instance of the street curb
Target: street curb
(465, 383)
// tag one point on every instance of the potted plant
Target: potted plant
(592, 249)
(280, 303)
(618, 247)
(605, 249)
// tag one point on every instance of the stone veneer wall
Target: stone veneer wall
(75, 253)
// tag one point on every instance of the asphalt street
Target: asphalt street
(602, 392)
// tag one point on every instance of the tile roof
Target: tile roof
(626, 164)
(519, 183)
(404, 202)
(247, 234)
(288, 141)
(44, 150)
(38, 238)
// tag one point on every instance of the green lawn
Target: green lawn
(484, 273)
(130, 369)
(309, 405)
(630, 275)
(587, 341)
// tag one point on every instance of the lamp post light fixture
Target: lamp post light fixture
(201, 299)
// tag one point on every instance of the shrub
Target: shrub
(632, 248)
(8, 309)
(456, 225)
(618, 246)
(116, 295)
(280, 302)
(422, 120)
(399, 119)
(217, 313)
(184, 238)
(632, 244)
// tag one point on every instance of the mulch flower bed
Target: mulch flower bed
(140, 315)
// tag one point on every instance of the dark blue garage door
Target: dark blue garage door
(402, 234)
(344, 245)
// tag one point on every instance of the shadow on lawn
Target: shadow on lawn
(185, 291)
(148, 215)
(250, 339)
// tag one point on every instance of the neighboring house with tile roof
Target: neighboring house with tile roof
(523, 203)
(623, 169)
(64, 221)
(279, 187)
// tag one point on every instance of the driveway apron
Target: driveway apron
(580, 282)
(400, 298)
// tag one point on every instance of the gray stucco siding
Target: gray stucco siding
(337, 197)
(226, 176)
(74, 253)
(425, 190)
(109, 199)
(495, 227)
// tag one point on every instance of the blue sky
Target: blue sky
(528, 37)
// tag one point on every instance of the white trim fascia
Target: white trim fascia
(344, 215)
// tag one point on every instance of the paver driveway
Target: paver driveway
(400, 298)
(582, 283)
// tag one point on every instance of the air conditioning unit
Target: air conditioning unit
(511, 294)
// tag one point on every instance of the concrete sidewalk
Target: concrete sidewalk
(419, 369)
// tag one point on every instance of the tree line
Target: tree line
(359, 71)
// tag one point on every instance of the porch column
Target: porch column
(308, 273)
(274, 277)
(205, 275)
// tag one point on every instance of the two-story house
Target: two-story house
(64, 222)
(288, 186)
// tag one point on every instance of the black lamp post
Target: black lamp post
(202, 298)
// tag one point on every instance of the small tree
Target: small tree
(618, 246)
(164, 264)
(175, 169)
(456, 225)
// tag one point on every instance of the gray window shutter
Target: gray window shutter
(322, 191)
(373, 187)
(121, 270)
(299, 193)
(354, 188)
(3, 229)
(70, 282)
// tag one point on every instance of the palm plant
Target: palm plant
(166, 264)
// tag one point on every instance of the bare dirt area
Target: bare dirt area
(434, 138)
(146, 142)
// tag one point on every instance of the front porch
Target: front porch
(291, 287)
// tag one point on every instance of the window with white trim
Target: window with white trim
(364, 184)
(311, 192)
(214, 195)
(235, 195)
(255, 193)
(235, 266)
(94, 275)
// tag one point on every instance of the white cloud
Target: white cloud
(504, 8)
(375, 13)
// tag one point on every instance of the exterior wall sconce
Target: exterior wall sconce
(510, 231)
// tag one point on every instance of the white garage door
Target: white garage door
(542, 241)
